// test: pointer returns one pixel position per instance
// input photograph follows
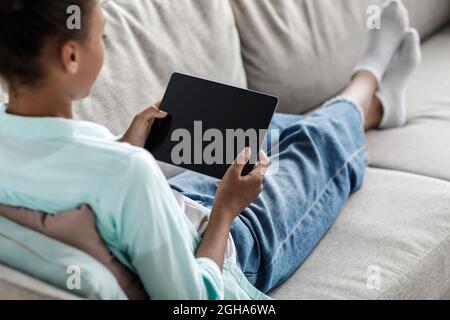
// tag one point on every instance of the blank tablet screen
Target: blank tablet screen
(209, 124)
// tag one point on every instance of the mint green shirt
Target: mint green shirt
(54, 165)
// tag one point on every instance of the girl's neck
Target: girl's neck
(42, 101)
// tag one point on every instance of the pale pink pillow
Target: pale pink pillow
(77, 229)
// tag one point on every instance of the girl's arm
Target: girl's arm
(234, 194)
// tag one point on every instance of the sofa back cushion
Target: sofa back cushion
(146, 41)
(304, 50)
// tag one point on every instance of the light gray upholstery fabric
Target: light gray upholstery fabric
(428, 17)
(303, 51)
(398, 224)
(422, 146)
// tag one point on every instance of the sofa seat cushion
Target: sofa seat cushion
(304, 51)
(421, 147)
(392, 241)
(146, 41)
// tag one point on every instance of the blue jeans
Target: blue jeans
(322, 161)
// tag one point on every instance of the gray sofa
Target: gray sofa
(392, 241)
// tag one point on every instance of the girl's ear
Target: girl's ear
(70, 57)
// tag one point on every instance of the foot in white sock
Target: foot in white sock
(392, 91)
(384, 42)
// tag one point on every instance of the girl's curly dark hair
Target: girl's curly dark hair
(26, 25)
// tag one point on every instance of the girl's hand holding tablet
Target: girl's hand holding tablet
(137, 134)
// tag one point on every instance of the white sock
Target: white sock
(392, 91)
(384, 42)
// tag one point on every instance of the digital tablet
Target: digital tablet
(209, 124)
